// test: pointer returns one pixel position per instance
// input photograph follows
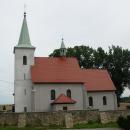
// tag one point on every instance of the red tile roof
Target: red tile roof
(67, 70)
(97, 80)
(55, 70)
(63, 99)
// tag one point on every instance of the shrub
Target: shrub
(124, 122)
(120, 121)
(128, 107)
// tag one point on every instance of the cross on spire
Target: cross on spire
(24, 10)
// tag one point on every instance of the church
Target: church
(44, 84)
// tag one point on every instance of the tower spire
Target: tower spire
(62, 43)
(24, 39)
(62, 48)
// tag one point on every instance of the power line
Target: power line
(6, 81)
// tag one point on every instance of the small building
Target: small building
(44, 84)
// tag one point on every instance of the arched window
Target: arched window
(53, 95)
(90, 101)
(68, 93)
(104, 100)
(24, 60)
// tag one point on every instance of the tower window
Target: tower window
(104, 100)
(24, 91)
(24, 76)
(68, 93)
(53, 95)
(24, 60)
(90, 101)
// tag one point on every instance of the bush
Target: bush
(124, 122)
(128, 107)
(120, 121)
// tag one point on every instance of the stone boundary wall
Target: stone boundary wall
(113, 115)
(9, 119)
(61, 118)
(64, 119)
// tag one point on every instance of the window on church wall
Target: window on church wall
(68, 93)
(90, 101)
(53, 94)
(104, 100)
(24, 60)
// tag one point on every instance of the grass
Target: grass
(27, 128)
(96, 125)
(77, 126)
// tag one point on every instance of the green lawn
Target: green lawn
(77, 126)
(13, 128)
(96, 125)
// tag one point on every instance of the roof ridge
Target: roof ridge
(56, 57)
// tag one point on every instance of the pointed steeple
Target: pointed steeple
(24, 39)
(62, 44)
(62, 49)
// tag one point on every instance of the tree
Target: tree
(118, 64)
(116, 61)
(100, 58)
(84, 55)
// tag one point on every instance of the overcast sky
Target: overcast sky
(81, 22)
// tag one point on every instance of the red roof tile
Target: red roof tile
(67, 70)
(56, 70)
(63, 99)
(97, 80)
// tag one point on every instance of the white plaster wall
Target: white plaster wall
(22, 82)
(21, 99)
(43, 100)
(98, 100)
(21, 69)
(59, 107)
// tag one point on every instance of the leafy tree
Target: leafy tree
(118, 64)
(56, 53)
(100, 58)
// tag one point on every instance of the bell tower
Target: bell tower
(63, 49)
(24, 58)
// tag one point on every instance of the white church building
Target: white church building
(44, 84)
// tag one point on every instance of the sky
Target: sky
(80, 22)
